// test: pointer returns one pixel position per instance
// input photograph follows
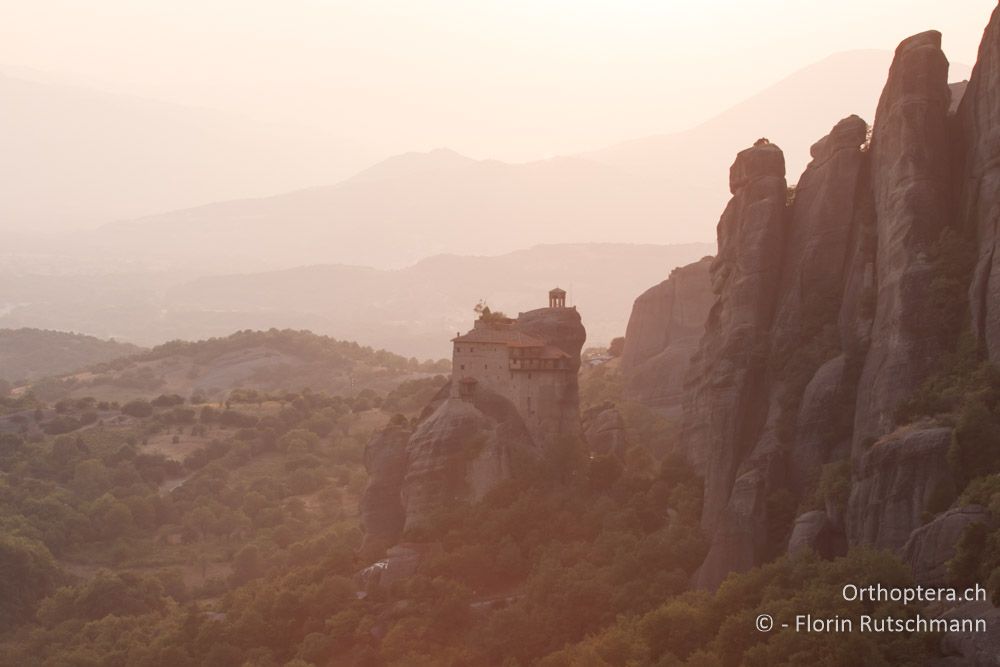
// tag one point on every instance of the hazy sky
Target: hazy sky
(490, 78)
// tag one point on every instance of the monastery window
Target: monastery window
(463, 367)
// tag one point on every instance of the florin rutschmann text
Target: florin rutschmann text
(886, 623)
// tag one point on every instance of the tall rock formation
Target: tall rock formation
(807, 359)
(911, 183)
(663, 332)
(726, 404)
(459, 453)
(831, 312)
(979, 180)
(381, 506)
(820, 332)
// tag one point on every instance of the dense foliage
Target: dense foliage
(266, 361)
(174, 530)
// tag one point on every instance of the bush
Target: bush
(167, 401)
(138, 409)
(29, 573)
(975, 448)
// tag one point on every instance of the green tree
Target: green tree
(27, 574)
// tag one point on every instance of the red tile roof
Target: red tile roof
(499, 336)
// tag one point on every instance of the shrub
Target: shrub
(137, 408)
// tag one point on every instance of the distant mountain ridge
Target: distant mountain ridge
(660, 189)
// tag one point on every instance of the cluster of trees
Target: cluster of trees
(273, 482)
(698, 629)
(298, 358)
(301, 343)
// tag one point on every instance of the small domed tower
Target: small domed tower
(557, 298)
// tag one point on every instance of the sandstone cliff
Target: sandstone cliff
(459, 453)
(979, 179)
(663, 332)
(381, 507)
(724, 403)
(911, 183)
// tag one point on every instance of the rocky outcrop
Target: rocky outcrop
(815, 532)
(604, 431)
(663, 332)
(817, 346)
(559, 327)
(974, 649)
(461, 452)
(930, 547)
(401, 562)
(381, 506)
(895, 483)
(727, 404)
(911, 184)
(806, 357)
(723, 408)
(823, 326)
(979, 206)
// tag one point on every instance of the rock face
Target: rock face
(381, 507)
(789, 367)
(974, 649)
(460, 452)
(979, 206)
(813, 531)
(604, 431)
(911, 183)
(895, 483)
(727, 403)
(820, 332)
(930, 547)
(723, 405)
(663, 332)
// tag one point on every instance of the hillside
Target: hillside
(135, 503)
(30, 354)
(264, 361)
